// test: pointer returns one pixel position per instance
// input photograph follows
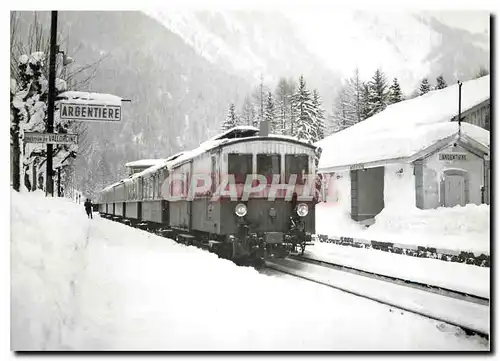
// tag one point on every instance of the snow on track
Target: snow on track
(470, 315)
(80, 284)
(464, 278)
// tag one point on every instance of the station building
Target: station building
(413, 154)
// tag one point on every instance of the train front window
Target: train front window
(268, 165)
(296, 164)
(239, 165)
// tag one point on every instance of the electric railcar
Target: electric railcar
(239, 194)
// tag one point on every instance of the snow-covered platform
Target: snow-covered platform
(81, 284)
(458, 234)
(463, 278)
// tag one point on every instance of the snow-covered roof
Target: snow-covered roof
(90, 98)
(164, 163)
(235, 132)
(144, 162)
(111, 186)
(405, 128)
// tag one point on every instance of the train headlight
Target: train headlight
(302, 209)
(240, 210)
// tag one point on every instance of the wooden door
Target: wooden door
(454, 188)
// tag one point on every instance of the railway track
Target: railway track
(448, 292)
(472, 317)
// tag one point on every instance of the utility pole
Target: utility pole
(459, 108)
(59, 181)
(49, 186)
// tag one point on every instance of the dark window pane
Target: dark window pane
(296, 164)
(268, 165)
(240, 165)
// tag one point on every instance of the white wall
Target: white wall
(339, 190)
(399, 188)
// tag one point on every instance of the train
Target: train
(242, 194)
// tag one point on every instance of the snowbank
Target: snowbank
(459, 228)
(80, 284)
(332, 219)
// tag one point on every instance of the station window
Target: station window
(296, 164)
(239, 165)
(268, 165)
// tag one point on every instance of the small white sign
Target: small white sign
(90, 112)
(452, 156)
(357, 166)
(50, 138)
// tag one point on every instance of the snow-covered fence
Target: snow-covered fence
(481, 260)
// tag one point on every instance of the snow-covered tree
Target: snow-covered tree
(365, 109)
(354, 96)
(424, 87)
(320, 116)
(27, 107)
(482, 72)
(440, 82)
(283, 93)
(378, 93)
(270, 115)
(305, 113)
(395, 94)
(348, 107)
(231, 119)
(339, 118)
(247, 112)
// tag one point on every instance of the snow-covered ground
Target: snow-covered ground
(80, 284)
(457, 228)
(465, 278)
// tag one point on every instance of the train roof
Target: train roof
(159, 165)
(144, 162)
(242, 133)
(218, 142)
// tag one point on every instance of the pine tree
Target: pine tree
(258, 100)
(320, 116)
(353, 97)
(104, 175)
(338, 120)
(247, 112)
(270, 116)
(395, 94)
(378, 93)
(304, 113)
(365, 105)
(424, 87)
(283, 93)
(440, 82)
(231, 119)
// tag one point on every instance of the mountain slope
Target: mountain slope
(327, 45)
